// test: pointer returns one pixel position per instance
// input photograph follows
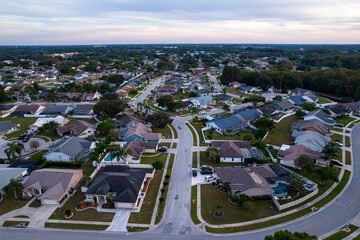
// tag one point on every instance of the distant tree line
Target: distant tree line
(341, 83)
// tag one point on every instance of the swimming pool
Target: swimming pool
(280, 188)
(108, 158)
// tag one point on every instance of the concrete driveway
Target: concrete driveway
(120, 220)
(200, 179)
(28, 149)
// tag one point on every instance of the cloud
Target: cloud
(157, 21)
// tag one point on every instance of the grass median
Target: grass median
(76, 226)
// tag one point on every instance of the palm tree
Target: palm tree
(226, 107)
(213, 153)
(121, 153)
(330, 151)
(147, 109)
(194, 111)
(140, 106)
(51, 126)
(14, 187)
(13, 149)
(224, 90)
(259, 143)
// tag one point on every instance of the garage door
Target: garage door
(49, 201)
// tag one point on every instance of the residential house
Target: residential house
(142, 132)
(84, 109)
(312, 140)
(202, 102)
(248, 115)
(353, 107)
(288, 154)
(284, 105)
(34, 109)
(56, 109)
(6, 174)
(7, 127)
(206, 93)
(29, 164)
(138, 147)
(51, 185)
(236, 151)
(117, 184)
(225, 125)
(312, 125)
(60, 120)
(73, 149)
(336, 111)
(299, 91)
(127, 120)
(79, 128)
(320, 115)
(235, 84)
(91, 96)
(169, 87)
(297, 100)
(248, 89)
(18, 88)
(223, 99)
(310, 97)
(252, 181)
(6, 110)
(268, 110)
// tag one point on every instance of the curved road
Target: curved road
(177, 221)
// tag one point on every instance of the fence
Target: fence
(294, 203)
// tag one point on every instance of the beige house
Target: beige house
(51, 185)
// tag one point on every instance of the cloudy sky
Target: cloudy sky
(31, 22)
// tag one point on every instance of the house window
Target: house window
(232, 159)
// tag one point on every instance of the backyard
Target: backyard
(345, 121)
(281, 134)
(166, 132)
(149, 158)
(236, 136)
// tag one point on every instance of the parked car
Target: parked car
(194, 172)
(339, 125)
(336, 162)
(206, 171)
(210, 178)
(206, 167)
(162, 149)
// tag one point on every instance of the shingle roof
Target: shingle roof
(310, 137)
(137, 147)
(27, 108)
(285, 104)
(6, 126)
(322, 116)
(295, 151)
(228, 122)
(314, 123)
(73, 146)
(83, 108)
(77, 128)
(297, 100)
(51, 109)
(143, 131)
(251, 114)
(124, 182)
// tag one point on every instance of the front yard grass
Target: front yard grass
(193, 134)
(236, 136)
(148, 158)
(137, 229)
(76, 226)
(347, 158)
(147, 208)
(281, 134)
(14, 223)
(193, 203)
(211, 197)
(162, 204)
(345, 121)
(174, 130)
(24, 125)
(198, 127)
(347, 141)
(342, 234)
(336, 138)
(7, 205)
(194, 160)
(166, 132)
(85, 215)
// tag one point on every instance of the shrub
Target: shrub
(162, 190)
(167, 176)
(166, 183)
(67, 212)
(161, 199)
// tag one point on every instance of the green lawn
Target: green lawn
(85, 215)
(24, 125)
(345, 121)
(322, 100)
(236, 136)
(193, 134)
(282, 132)
(37, 156)
(342, 234)
(194, 160)
(193, 203)
(347, 141)
(161, 207)
(174, 130)
(148, 159)
(211, 197)
(198, 127)
(357, 237)
(347, 157)
(7, 205)
(76, 226)
(337, 129)
(166, 132)
(147, 208)
(336, 190)
(336, 138)
(137, 229)
(14, 223)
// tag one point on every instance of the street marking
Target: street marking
(347, 205)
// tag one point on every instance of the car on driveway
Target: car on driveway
(206, 171)
(336, 162)
(194, 172)
(162, 149)
(210, 178)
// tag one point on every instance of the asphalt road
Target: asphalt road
(177, 223)
(146, 93)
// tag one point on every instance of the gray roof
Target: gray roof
(228, 122)
(6, 174)
(314, 123)
(124, 182)
(248, 115)
(73, 146)
(6, 126)
(322, 116)
(285, 104)
(83, 108)
(310, 137)
(4, 107)
(55, 109)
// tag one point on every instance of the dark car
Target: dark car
(162, 149)
(194, 172)
(336, 162)
(206, 171)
